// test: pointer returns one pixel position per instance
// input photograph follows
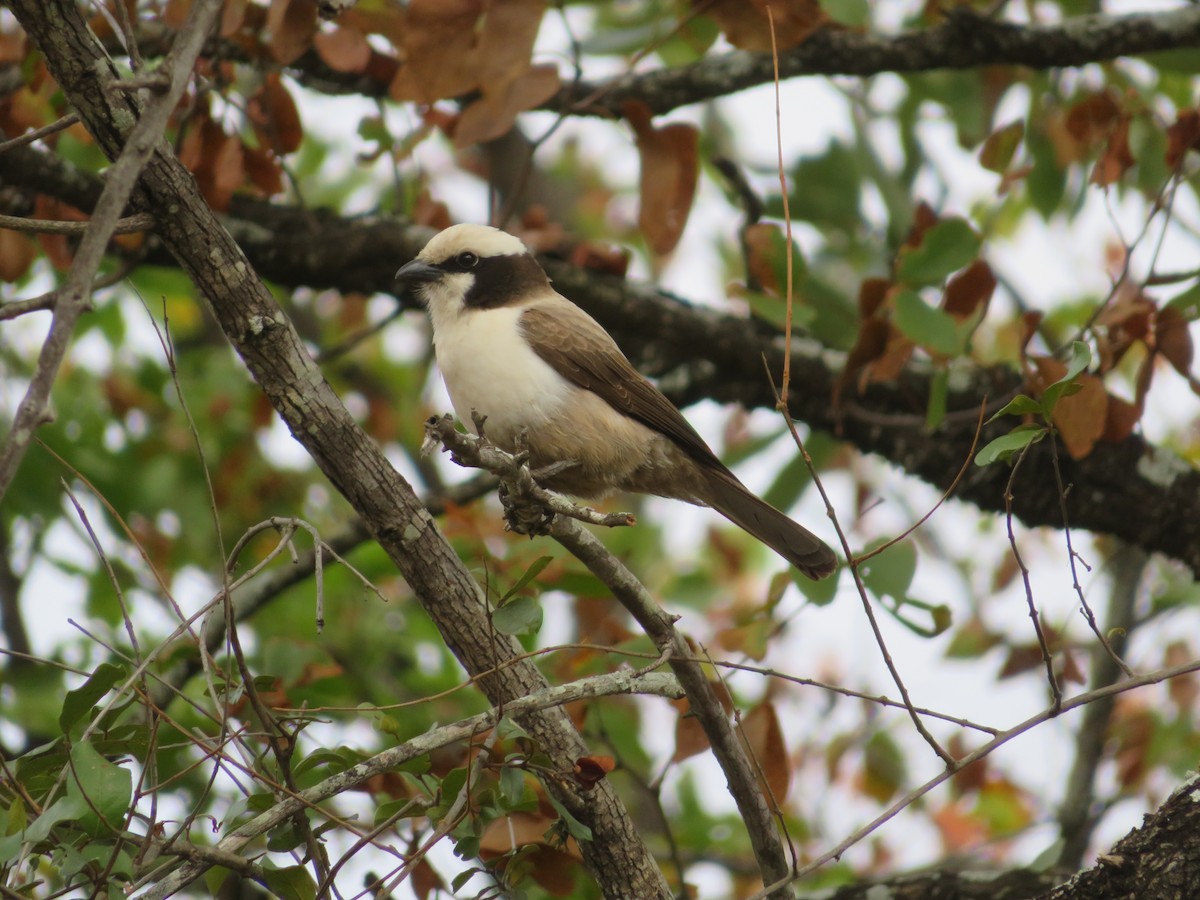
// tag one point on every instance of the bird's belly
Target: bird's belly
(489, 368)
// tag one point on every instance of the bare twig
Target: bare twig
(589, 688)
(1047, 659)
(38, 133)
(145, 136)
(126, 225)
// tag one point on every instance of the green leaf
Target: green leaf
(945, 248)
(891, 572)
(1000, 147)
(855, 13)
(292, 883)
(103, 787)
(1187, 304)
(818, 593)
(578, 830)
(64, 809)
(1018, 406)
(1081, 358)
(81, 700)
(535, 569)
(512, 786)
(518, 617)
(1006, 445)
(931, 328)
(826, 190)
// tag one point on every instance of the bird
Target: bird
(546, 376)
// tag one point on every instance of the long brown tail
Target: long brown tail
(792, 541)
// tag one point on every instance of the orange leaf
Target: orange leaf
(263, 170)
(227, 173)
(343, 49)
(292, 25)
(1117, 158)
(17, 253)
(275, 117)
(589, 770)
(746, 24)
(670, 168)
(494, 114)
(764, 741)
(968, 290)
(690, 738)
(1093, 117)
(233, 16)
(1173, 340)
(1182, 136)
(1120, 419)
(426, 882)
(1080, 417)
(439, 46)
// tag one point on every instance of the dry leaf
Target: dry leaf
(746, 24)
(590, 770)
(494, 114)
(1182, 136)
(275, 117)
(1080, 417)
(17, 253)
(764, 742)
(343, 49)
(670, 167)
(1117, 158)
(292, 25)
(438, 51)
(968, 290)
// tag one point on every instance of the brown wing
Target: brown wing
(575, 346)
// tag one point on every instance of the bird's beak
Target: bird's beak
(417, 272)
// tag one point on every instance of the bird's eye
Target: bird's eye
(466, 260)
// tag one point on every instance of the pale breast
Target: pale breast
(488, 366)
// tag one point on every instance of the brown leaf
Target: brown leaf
(439, 47)
(506, 44)
(968, 290)
(871, 296)
(670, 167)
(17, 253)
(924, 218)
(343, 49)
(263, 170)
(57, 247)
(764, 742)
(426, 882)
(745, 23)
(1093, 117)
(1117, 158)
(1080, 417)
(233, 16)
(494, 113)
(275, 117)
(1182, 136)
(760, 238)
(292, 25)
(1173, 340)
(690, 738)
(226, 173)
(590, 770)
(868, 346)
(1120, 418)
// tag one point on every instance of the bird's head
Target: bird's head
(470, 267)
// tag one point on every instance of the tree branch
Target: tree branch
(607, 685)
(277, 358)
(963, 40)
(1133, 490)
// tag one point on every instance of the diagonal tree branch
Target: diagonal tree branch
(275, 355)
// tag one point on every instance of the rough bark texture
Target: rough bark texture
(279, 362)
